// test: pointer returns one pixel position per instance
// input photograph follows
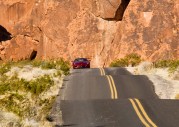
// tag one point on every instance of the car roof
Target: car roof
(81, 59)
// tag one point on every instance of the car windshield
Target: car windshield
(80, 60)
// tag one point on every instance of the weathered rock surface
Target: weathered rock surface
(101, 30)
(149, 28)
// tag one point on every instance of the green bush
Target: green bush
(162, 63)
(47, 104)
(20, 63)
(48, 65)
(15, 90)
(11, 84)
(39, 85)
(4, 67)
(11, 103)
(131, 59)
(123, 62)
(4, 87)
(65, 68)
(54, 64)
(171, 64)
(36, 86)
(63, 65)
(36, 63)
(58, 73)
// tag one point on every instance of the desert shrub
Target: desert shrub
(63, 65)
(36, 63)
(36, 86)
(21, 63)
(162, 63)
(65, 68)
(171, 64)
(131, 59)
(15, 90)
(11, 84)
(53, 64)
(5, 67)
(48, 65)
(47, 104)
(123, 62)
(11, 103)
(39, 85)
(58, 73)
(4, 88)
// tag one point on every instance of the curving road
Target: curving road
(112, 97)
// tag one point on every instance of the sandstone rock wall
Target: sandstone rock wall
(150, 29)
(101, 30)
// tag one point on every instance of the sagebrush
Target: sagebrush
(131, 59)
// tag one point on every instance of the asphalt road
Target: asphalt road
(112, 97)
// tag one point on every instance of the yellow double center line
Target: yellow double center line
(102, 71)
(141, 113)
(112, 86)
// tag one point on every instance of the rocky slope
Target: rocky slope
(101, 30)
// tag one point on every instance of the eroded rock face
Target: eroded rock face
(150, 29)
(101, 30)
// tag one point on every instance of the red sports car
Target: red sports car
(81, 63)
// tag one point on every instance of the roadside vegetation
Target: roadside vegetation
(51, 64)
(5, 67)
(30, 98)
(171, 64)
(129, 60)
(135, 59)
(35, 87)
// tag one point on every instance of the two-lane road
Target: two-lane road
(112, 97)
(85, 84)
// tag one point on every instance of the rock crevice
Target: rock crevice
(4, 34)
(120, 11)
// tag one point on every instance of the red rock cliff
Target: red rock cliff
(101, 30)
